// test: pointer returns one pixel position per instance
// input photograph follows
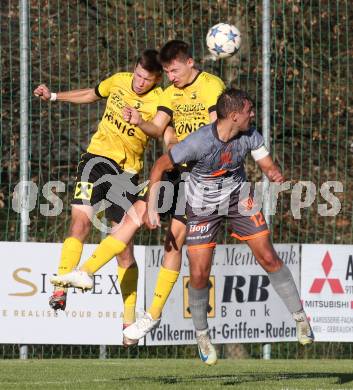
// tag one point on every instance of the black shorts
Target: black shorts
(102, 184)
(201, 230)
(171, 201)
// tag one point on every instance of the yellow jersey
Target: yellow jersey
(190, 106)
(116, 139)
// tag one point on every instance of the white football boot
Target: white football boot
(126, 341)
(207, 351)
(143, 325)
(78, 279)
(305, 334)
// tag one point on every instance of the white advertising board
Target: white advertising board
(243, 306)
(90, 318)
(327, 290)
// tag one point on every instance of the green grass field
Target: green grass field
(145, 374)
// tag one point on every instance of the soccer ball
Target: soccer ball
(223, 40)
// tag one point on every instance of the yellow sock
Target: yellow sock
(128, 285)
(106, 250)
(165, 282)
(70, 255)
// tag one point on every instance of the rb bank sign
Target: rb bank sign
(243, 306)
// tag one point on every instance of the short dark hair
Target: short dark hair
(149, 61)
(231, 100)
(173, 50)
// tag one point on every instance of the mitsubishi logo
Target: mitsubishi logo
(318, 283)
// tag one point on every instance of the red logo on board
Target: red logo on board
(319, 283)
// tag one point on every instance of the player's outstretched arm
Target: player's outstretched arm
(151, 217)
(169, 137)
(154, 128)
(77, 96)
(270, 169)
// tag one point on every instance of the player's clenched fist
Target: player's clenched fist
(131, 115)
(275, 175)
(43, 92)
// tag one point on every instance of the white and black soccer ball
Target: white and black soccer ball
(223, 40)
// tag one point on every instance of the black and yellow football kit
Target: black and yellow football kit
(189, 108)
(117, 147)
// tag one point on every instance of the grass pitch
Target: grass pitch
(146, 374)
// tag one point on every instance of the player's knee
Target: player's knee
(270, 261)
(135, 213)
(199, 278)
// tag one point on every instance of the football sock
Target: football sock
(106, 250)
(70, 255)
(283, 283)
(300, 316)
(198, 303)
(128, 285)
(165, 282)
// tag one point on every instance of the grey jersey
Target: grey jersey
(217, 166)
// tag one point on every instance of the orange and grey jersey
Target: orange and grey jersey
(189, 107)
(116, 139)
(217, 167)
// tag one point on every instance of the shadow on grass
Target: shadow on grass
(342, 378)
(237, 379)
